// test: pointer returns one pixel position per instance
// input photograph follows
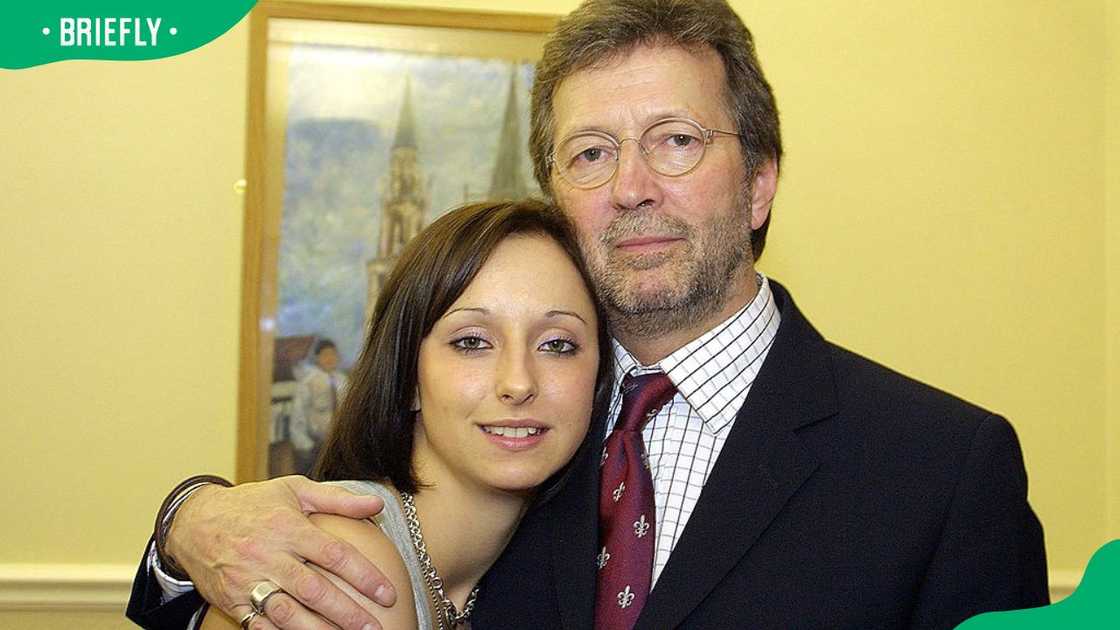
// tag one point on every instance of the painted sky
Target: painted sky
(343, 109)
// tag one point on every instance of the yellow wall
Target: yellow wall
(1112, 211)
(949, 205)
(52, 620)
(121, 242)
(943, 210)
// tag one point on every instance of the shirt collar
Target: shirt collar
(715, 371)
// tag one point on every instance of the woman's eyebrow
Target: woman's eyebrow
(471, 309)
(554, 313)
(483, 311)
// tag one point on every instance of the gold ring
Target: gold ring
(260, 594)
(248, 619)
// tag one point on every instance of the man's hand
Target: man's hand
(230, 539)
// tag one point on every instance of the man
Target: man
(318, 393)
(794, 483)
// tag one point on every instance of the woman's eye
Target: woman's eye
(559, 346)
(470, 343)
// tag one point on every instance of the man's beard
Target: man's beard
(699, 277)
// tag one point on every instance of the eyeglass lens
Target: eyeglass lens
(670, 147)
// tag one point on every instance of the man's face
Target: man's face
(663, 251)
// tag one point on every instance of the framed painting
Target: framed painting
(365, 123)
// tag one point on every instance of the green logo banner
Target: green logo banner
(35, 33)
(1093, 605)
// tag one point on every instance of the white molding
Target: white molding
(105, 587)
(65, 587)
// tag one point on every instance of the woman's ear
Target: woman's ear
(415, 406)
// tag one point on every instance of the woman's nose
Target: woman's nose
(516, 382)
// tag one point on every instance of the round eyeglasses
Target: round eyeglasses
(671, 147)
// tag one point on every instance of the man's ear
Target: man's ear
(763, 189)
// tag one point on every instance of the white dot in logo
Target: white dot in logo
(46, 30)
(174, 31)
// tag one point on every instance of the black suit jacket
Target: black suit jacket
(846, 496)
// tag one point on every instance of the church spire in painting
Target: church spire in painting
(506, 181)
(406, 122)
(403, 202)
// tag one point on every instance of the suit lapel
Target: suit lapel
(761, 466)
(576, 510)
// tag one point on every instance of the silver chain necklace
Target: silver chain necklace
(447, 615)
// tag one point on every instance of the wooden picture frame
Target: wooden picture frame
(358, 39)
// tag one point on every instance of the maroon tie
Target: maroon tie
(626, 511)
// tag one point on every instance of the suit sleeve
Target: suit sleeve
(146, 606)
(991, 554)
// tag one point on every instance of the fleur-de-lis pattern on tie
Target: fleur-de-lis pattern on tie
(625, 597)
(602, 558)
(626, 509)
(641, 527)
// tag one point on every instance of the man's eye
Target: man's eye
(681, 140)
(593, 154)
(470, 343)
(559, 346)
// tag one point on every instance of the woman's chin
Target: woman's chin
(520, 482)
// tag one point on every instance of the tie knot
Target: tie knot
(642, 396)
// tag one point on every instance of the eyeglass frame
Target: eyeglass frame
(707, 133)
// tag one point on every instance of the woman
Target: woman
(486, 357)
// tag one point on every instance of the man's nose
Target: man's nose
(635, 184)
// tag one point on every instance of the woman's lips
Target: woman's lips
(515, 434)
(514, 438)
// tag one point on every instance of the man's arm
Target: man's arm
(230, 539)
(991, 555)
(149, 606)
(374, 544)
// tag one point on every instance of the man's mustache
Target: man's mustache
(633, 224)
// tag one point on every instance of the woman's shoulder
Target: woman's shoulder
(379, 548)
(373, 488)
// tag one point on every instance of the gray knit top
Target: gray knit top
(391, 520)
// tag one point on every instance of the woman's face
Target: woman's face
(507, 375)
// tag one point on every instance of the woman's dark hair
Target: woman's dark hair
(372, 435)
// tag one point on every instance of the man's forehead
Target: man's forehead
(639, 86)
